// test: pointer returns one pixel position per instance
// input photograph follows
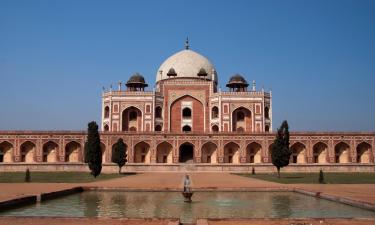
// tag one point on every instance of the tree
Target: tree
(119, 154)
(93, 153)
(280, 149)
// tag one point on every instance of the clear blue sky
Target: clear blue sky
(318, 57)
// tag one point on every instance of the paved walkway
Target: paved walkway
(174, 181)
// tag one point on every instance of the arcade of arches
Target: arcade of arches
(214, 151)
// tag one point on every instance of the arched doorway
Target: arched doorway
(142, 153)
(215, 129)
(132, 119)
(209, 154)
(72, 152)
(164, 153)
(231, 153)
(158, 127)
(186, 153)
(27, 152)
(241, 120)
(298, 153)
(106, 112)
(215, 112)
(158, 112)
(253, 153)
(364, 153)
(186, 128)
(6, 152)
(50, 150)
(342, 153)
(320, 152)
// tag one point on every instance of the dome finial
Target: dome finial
(187, 43)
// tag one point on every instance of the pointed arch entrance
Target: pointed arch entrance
(209, 153)
(6, 152)
(50, 150)
(186, 153)
(164, 153)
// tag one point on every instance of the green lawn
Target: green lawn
(56, 177)
(313, 178)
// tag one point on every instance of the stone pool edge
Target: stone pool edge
(343, 200)
(32, 199)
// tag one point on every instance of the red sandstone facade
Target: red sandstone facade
(186, 119)
(307, 147)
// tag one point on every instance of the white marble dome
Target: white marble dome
(186, 64)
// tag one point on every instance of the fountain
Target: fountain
(187, 193)
(187, 196)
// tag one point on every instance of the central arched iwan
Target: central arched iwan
(197, 116)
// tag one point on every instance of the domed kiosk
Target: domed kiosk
(237, 83)
(136, 83)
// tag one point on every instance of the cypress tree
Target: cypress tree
(93, 153)
(280, 149)
(119, 154)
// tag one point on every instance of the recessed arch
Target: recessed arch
(320, 152)
(215, 112)
(158, 112)
(232, 153)
(186, 153)
(158, 127)
(215, 128)
(178, 117)
(254, 153)
(364, 153)
(164, 152)
(132, 119)
(342, 150)
(28, 150)
(298, 153)
(266, 112)
(142, 153)
(50, 151)
(106, 112)
(73, 151)
(241, 120)
(184, 96)
(186, 128)
(186, 113)
(6, 152)
(106, 127)
(209, 152)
